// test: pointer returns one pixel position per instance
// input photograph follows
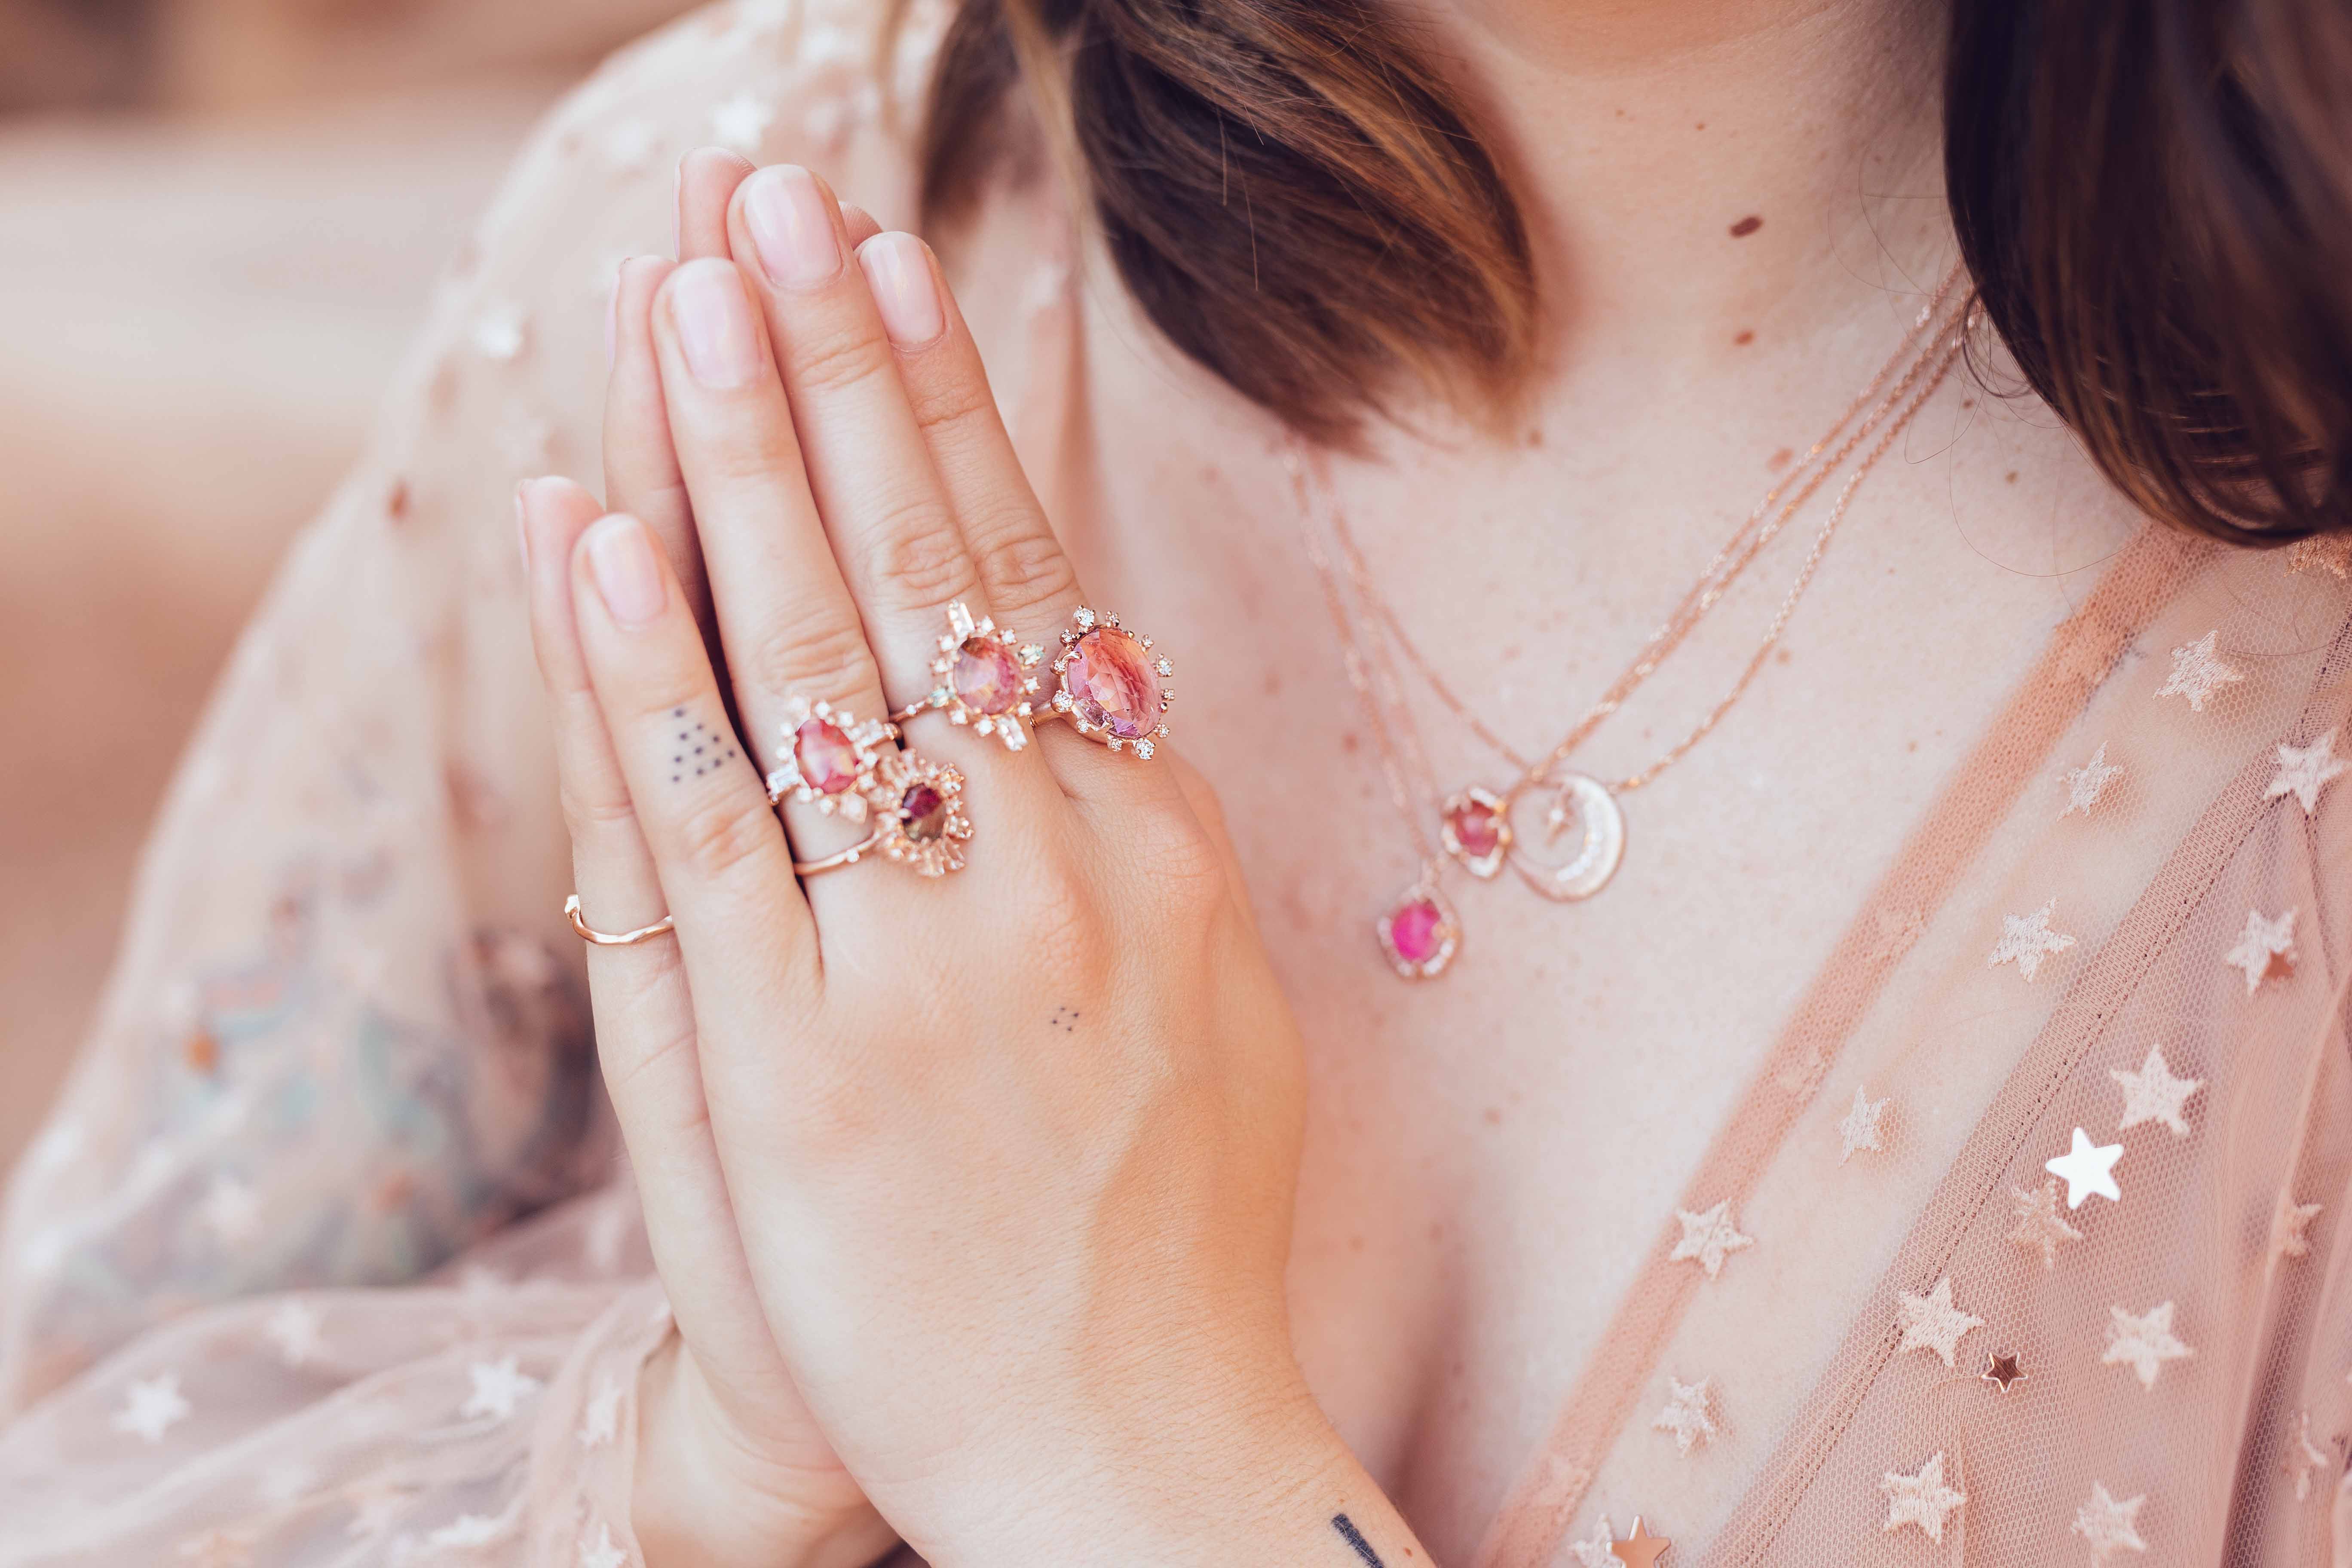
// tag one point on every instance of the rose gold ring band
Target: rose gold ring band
(849, 856)
(595, 938)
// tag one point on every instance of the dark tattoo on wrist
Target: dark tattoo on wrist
(1355, 1538)
(1065, 1019)
(699, 751)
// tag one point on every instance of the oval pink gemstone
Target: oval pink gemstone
(1110, 681)
(1477, 828)
(985, 676)
(924, 812)
(1416, 930)
(827, 759)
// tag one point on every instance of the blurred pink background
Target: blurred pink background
(219, 220)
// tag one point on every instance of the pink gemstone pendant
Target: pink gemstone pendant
(828, 759)
(1420, 932)
(984, 680)
(1476, 831)
(1110, 688)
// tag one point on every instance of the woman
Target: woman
(1861, 1081)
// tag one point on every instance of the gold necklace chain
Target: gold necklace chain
(1371, 669)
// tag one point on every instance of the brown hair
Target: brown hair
(2155, 199)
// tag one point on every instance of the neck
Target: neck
(1692, 171)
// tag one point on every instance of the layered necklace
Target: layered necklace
(1577, 846)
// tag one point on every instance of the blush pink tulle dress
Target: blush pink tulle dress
(327, 1256)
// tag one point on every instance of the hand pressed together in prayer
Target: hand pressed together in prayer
(971, 1185)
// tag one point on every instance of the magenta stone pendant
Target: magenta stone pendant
(1476, 831)
(984, 680)
(1110, 688)
(1420, 932)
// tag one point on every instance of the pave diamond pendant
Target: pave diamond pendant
(1585, 819)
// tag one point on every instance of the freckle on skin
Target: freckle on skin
(1778, 460)
(1747, 226)
(2012, 476)
(1782, 656)
(1493, 1117)
(1744, 339)
(1348, 743)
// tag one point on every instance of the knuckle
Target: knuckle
(716, 837)
(833, 359)
(747, 453)
(825, 655)
(1025, 564)
(588, 818)
(958, 400)
(919, 554)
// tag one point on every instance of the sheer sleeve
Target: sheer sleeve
(320, 1256)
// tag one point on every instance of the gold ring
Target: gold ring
(1109, 689)
(984, 680)
(916, 806)
(595, 938)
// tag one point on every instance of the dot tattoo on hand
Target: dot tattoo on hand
(699, 750)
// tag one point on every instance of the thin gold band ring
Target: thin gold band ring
(595, 938)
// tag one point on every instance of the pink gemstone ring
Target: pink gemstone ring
(917, 805)
(829, 759)
(984, 680)
(1110, 688)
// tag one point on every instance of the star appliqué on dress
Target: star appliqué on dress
(2291, 1226)
(1931, 1323)
(2153, 1094)
(601, 1551)
(2086, 784)
(1600, 1549)
(2087, 1168)
(1641, 1549)
(501, 334)
(2306, 1457)
(293, 1328)
(2265, 948)
(629, 146)
(231, 1210)
(600, 1421)
(469, 1529)
(1686, 1414)
(2026, 939)
(2198, 672)
(742, 122)
(2039, 1225)
(498, 1387)
(153, 1407)
(2143, 1344)
(2303, 773)
(1863, 1127)
(1708, 1237)
(2109, 1526)
(1920, 1499)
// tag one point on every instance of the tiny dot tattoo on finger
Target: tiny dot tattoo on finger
(1065, 1019)
(705, 752)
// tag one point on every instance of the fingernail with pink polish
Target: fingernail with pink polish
(621, 560)
(899, 270)
(714, 323)
(792, 226)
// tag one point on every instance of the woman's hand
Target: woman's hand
(1010, 1151)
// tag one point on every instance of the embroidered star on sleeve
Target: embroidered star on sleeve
(2291, 1226)
(501, 333)
(1708, 1237)
(1687, 1415)
(498, 1387)
(601, 1551)
(153, 1407)
(2143, 1343)
(2109, 1526)
(2026, 939)
(600, 1421)
(2198, 672)
(1920, 1499)
(1864, 1126)
(1931, 1323)
(469, 1529)
(2153, 1094)
(2086, 1168)
(2039, 1225)
(2086, 784)
(2303, 773)
(1598, 1549)
(741, 121)
(231, 1210)
(2264, 949)
(2306, 1457)
(293, 1328)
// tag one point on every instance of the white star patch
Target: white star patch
(2198, 672)
(375, 1505)
(2143, 1344)
(501, 333)
(1931, 1323)
(2306, 1457)
(1708, 1237)
(2039, 1225)
(231, 1210)
(293, 1328)
(628, 148)
(2087, 1168)
(281, 1486)
(2303, 774)
(2026, 939)
(742, 122)
(2291, 1226)
(2153, 1094)
(498, 1387)
(1687, 1415)
(1599, 1550)
(601, 1552)
(2265, 948)
(2086, 784)
(468, 1530)
(152, 1408)
(1920, 1499)
(2109, 1526)
(1864, 1126)
(600, 1421)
